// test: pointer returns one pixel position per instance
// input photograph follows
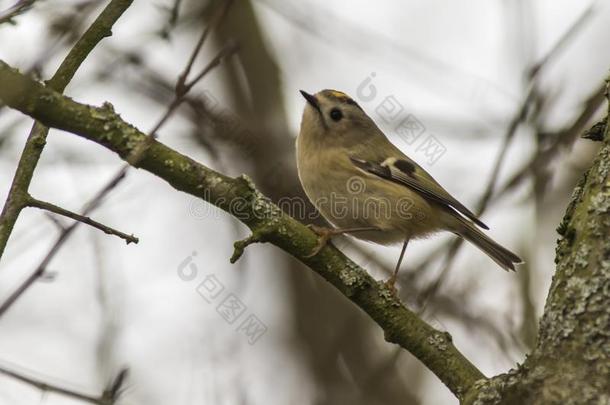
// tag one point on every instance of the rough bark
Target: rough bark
(571, 361)
(18, 194)
(241, 199)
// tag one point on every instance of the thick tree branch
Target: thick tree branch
(570, 362)
(268, 223)
(17, 197)
(70, 63)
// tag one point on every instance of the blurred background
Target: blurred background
(490, 97)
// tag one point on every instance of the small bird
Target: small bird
(365, 186)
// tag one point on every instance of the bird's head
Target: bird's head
(332, 118)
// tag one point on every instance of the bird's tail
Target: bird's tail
(504, 257)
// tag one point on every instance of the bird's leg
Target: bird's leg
(392, 280)
(324, 235)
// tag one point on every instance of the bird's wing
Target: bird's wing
(410, 174)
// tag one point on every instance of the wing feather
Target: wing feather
(407, 173)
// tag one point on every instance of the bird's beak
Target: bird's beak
(311, 99)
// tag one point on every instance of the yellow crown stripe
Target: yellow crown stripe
(338, 94)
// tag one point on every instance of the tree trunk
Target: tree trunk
(571, 361)
(570, 364)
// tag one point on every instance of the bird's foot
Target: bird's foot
(324, 235)
(390, 283)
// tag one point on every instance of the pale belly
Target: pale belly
(354, 199)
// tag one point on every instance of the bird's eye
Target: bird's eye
(336, 114)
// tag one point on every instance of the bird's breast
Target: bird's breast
(348, 198)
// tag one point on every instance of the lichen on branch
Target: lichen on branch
(570, 364)
(241, 199)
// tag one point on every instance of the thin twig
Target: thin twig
(401, 326)
(520, 116)
(115, 387)
(35, 143)
(181, 89)
(179, 98)
(174, 13)
(109, 396)
(561, 42)
(81, 218)
(15, 10)
(56, 221)
(133, 159)
(562, 138)
(62, 237)
(215, 21)
(226, 51)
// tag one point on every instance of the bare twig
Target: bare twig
(531, 98)
(15, 10)
(109, 396)
(81, 218)
(172, 20)
(133, 159)
(226, 51)
(401, 326)
(561, 42)
(61, 239)
(216, 19)
(56, 221)
(562, 138)
(115, 387)
(182, 89)
(35, 143)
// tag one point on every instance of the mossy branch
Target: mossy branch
(240, 246)
(239, 197)
(570, 362)
(36, 141)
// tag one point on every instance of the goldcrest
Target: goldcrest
(365, 186)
